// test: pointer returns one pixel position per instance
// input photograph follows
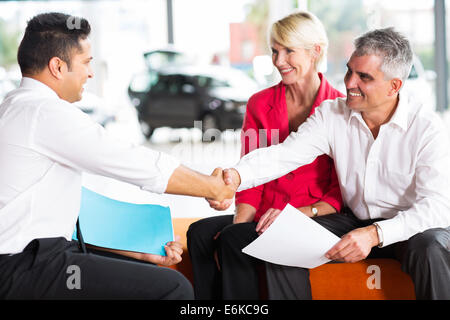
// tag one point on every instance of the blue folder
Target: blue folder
(114, 224)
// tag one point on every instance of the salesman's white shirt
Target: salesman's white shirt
(403, 175)
(45, 145)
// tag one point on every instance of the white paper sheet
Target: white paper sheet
(293, 239)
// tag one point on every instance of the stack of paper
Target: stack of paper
(293, 239)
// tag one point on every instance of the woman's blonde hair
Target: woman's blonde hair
(301, 30)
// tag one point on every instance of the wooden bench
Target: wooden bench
(335, 281)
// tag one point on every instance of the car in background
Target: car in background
(167, 56)
(420, 84)
(176, 96)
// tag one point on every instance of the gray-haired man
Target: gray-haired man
(392, 160)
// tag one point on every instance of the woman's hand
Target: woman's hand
(267, 219)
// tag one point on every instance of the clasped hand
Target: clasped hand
(227, 181)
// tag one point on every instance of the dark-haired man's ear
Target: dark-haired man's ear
(56, 67)
(396, 85)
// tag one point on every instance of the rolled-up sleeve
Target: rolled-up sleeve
(67, 135)
(299, 148)
(432, 184)
(249, 142)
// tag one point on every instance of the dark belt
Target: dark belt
(80, 238)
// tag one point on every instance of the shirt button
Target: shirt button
(290, 176)
(287, 199)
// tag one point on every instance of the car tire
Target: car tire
(210, 128)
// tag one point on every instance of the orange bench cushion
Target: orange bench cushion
(348, 281)
(332, 281)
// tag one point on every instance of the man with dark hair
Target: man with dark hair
(45, 145)
(49, 35)
(392, 160)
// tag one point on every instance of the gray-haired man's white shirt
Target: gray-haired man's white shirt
(45, 145)
(403, 175)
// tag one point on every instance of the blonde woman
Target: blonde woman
(298, 43)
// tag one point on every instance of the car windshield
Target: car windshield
(159, 59)
(233, 78)
(143, 81)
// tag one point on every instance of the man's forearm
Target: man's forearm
(185, 181)
(299, 148)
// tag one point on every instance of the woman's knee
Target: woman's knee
(206, 228)
(237, 235)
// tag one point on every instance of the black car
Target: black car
(177, 96)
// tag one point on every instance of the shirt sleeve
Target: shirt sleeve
(432, 179)
(65, 134)
(299, 148)
(249, 142)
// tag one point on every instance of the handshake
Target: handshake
(225, 183)
(218, 188)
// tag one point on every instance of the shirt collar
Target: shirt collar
(30, 83)
(399, 118)
(354, 114)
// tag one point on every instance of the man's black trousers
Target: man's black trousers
(54, 268)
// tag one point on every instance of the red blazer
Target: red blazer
(304, 186)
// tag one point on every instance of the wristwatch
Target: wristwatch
(380, 234)
(315, 212)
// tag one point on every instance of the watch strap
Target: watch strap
(380, 234)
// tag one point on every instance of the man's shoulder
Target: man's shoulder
(25, 104)
(30, 96)
(420, 115)
(425, 124)
(334, 107)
